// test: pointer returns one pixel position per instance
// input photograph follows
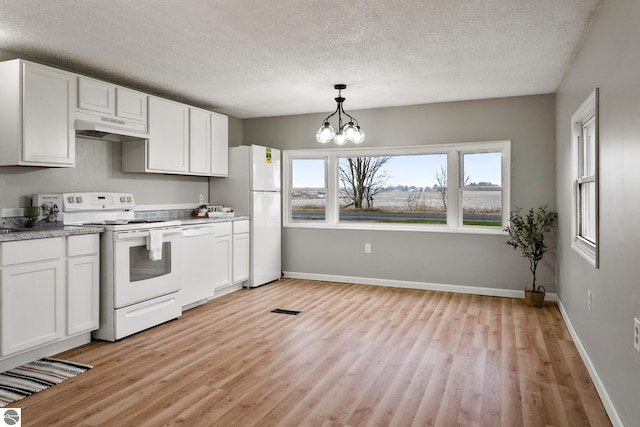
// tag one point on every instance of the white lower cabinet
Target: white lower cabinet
(49, 290)
(32, 291)
(32, 305)
(240, 268)
(83, 283)
(221, 255)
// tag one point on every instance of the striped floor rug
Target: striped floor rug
(33, 377)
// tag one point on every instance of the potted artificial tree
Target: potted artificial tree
(527, 233)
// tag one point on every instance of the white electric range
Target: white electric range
(139, 277)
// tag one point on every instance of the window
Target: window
(584, 135)
(392, 189)
(404, 188)
(308, 193)
(481, 188)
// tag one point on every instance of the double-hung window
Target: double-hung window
(584, 133)
(452, 187)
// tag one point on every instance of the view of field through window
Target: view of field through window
(409, 189)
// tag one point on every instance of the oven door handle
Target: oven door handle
(137, 234)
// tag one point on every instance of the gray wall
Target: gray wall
(609, 60)
(447, 258)
(98, 167)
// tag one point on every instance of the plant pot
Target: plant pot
(534, 298)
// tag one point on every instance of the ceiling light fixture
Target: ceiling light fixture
(349, 132)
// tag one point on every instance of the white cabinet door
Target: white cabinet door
(221, 256)
(83, 283)
(83, 288)
(199, 142)
(168, 145)
(131, 105)
(240, 257)
(49, 101)
(94, 95)
(32, 305)
(219, 145)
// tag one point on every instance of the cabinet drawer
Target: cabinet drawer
(24, 251)
(223, 229)
(240, 227)
(86, 244)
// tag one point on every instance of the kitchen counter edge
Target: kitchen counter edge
(72, 230)
(47, 232)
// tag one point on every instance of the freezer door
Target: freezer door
(265, 238)
(265, 168)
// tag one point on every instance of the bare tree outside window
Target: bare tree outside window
(361, 178)
(441, 185)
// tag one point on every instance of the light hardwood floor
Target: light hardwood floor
(356, 356)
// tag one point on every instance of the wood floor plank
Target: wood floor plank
(356, 356)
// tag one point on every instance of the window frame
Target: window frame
(462, 188)
(588, 111)
(288, 196)
(454, 212)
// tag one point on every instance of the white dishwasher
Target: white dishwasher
(197, 242)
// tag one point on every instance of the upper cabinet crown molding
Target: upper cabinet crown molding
(37, 115)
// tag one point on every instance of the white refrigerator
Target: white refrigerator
(253, 189)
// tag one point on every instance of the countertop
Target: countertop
(46, 230)
(195, 220)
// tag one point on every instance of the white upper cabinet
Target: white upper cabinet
(208, 143)
(168, 145)
(219, 145)
(131, 105)
(110, 100)
(182, 140)
(199, 142)
(37, 110)
(94, 95)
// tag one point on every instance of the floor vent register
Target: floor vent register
(289, 312)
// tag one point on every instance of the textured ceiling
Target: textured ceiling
(257, 58)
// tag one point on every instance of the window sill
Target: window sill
(411, 228)
(585, 249)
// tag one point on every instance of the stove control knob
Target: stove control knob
(70, 199)
(78, 199)
(129, 199)
(123, 199)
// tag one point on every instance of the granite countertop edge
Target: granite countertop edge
(50, 231)
(45, 232)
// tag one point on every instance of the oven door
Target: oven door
(136, 276)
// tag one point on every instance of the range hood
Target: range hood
(109, 128)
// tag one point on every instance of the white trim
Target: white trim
(593, 373)
(459, 289)
(453, 152)
(589, 110)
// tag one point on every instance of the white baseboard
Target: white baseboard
(476, 290)
(597, 382)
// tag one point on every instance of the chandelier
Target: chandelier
(349, 132)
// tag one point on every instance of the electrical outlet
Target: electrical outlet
(636, 333)
(589, 299)
(201, 199)
(367, 248)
